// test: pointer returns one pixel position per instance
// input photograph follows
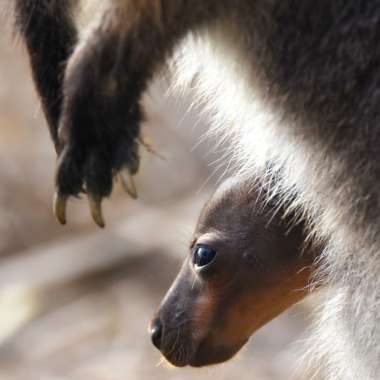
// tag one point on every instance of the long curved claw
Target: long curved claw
(59, 207)
(128, 183)
(96, 210)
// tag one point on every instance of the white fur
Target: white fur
(87, 15)
(213, 66)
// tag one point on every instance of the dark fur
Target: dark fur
(50, 38)
(318, 63)
(296, 44)
(103, 85)
(260, 261)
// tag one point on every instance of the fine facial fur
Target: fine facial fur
(294, 83)
(246, 264)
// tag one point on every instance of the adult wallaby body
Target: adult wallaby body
(294, 83)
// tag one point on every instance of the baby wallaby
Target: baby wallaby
(246, 265)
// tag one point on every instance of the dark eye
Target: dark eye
(203, 255)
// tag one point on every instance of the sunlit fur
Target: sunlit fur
(259, 130)
(258, 133)
(212, 65)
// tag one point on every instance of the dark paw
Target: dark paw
(99, 136)
(92, 171)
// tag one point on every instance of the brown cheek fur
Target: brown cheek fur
(251, 311)
(204, 310)
(243, 314)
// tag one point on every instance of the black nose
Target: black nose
(156, 333)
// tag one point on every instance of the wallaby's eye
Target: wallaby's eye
(203, 255)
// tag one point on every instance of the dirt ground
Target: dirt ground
(75, 302)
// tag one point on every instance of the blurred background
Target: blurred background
(75, 301)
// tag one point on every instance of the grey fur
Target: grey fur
(314, 66)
